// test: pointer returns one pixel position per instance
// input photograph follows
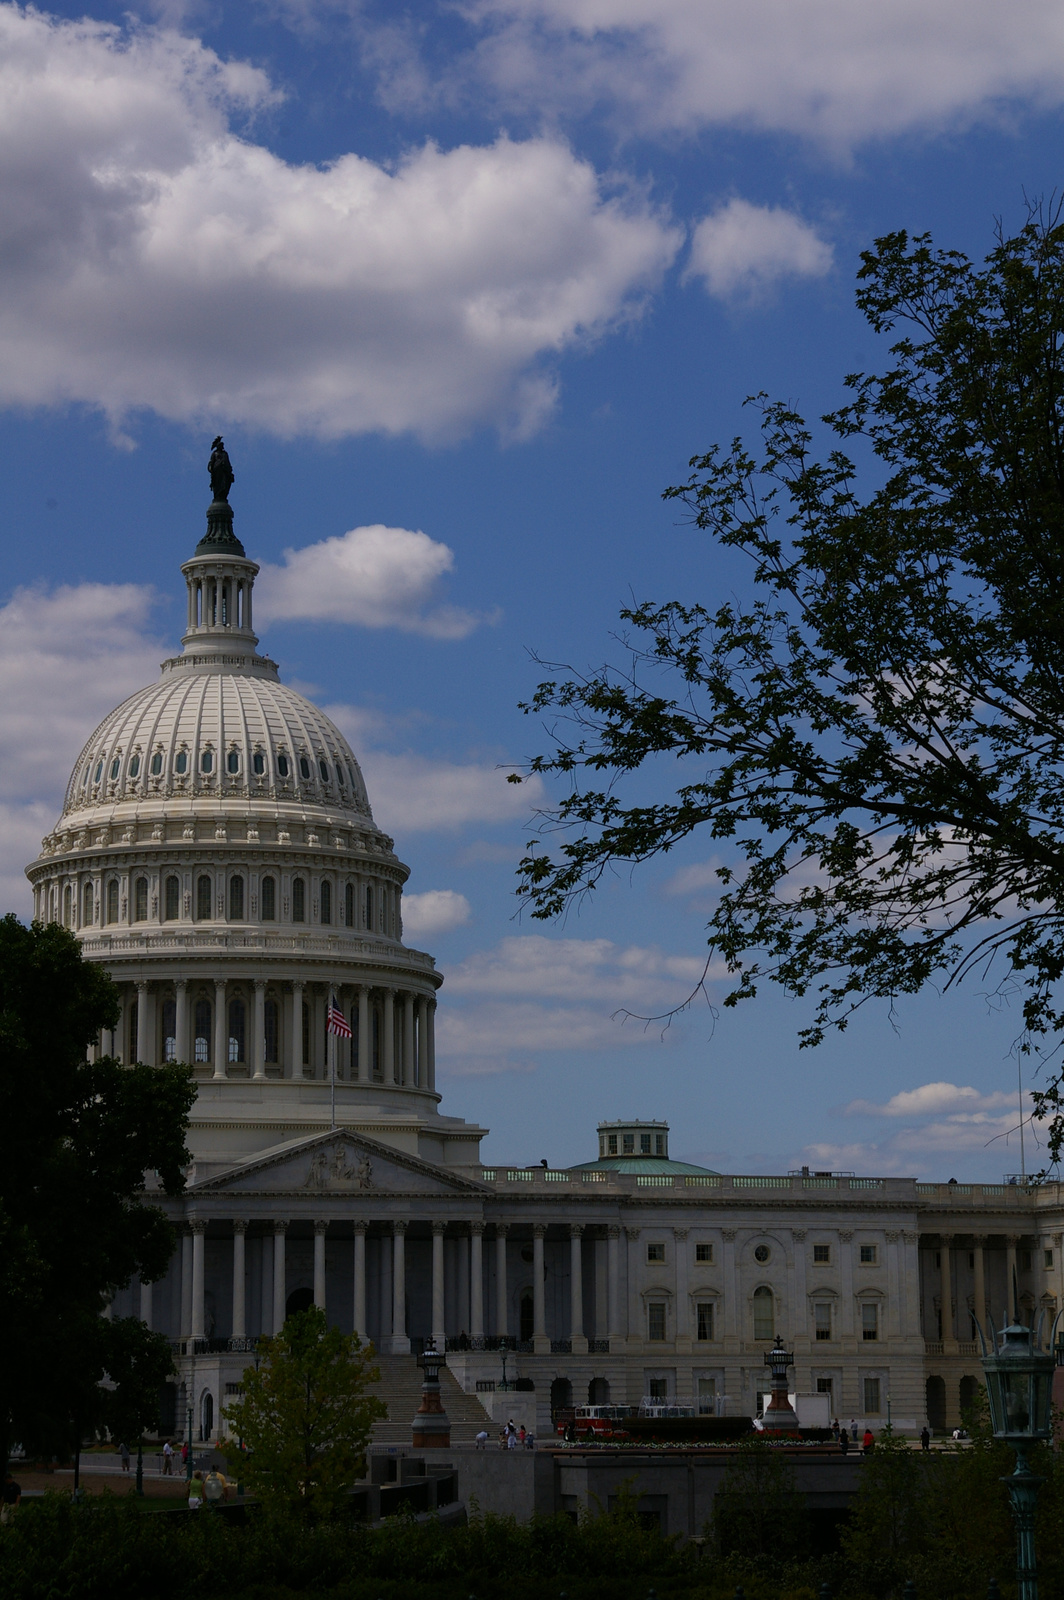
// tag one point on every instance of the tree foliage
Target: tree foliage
(305, 1417)
(876, 737)
(757, 1510)
(76, 1138)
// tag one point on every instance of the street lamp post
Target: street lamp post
(1019, 1386)
(779, 1413)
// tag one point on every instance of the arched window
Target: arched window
(236, 901)
(304, 767)
(232, 761)
(258, 763)
(203, 898)
(134, 767)
(181, 763)
(140, 900)
(349, 905)
(237, 1030)
(88, 907)
(323, 768)
(116, 767)
(268, 896)
(203, 1030)
(764, 1314)
(156, 763)
(207, 761)
(306, 1034)
(112, 900)
(169, 1027)
(299, 900)
(340, 774)
(68, 907)
(282, 766)
(326, 901)
(171, 899)
(367, 907)
(271, 1031)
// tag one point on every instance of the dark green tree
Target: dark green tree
(756, 1510)
(889, 1528)
(874, 742)
(76, 1139)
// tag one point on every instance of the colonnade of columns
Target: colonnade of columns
(991, 1302)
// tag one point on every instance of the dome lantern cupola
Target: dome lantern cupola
(219, 576)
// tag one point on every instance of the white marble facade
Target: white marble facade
(218, 853)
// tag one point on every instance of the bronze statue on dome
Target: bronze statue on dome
(220, 469)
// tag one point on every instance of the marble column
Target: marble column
(408, 1040)
(359, 1308)
(400, 1344)
(476, 1280)
(221, 1030)
(422, 1042)
(980, 1281)
(320, 1228)
(431, 1080)
(295, 1043)
(240, 1229)
(181, 1029)
(388, 1040)
(614, 1327)
(280, 1276)
(199, 1229)
(145, 1304)
(541, 1344)
(365, 1038)
(439, 1330)
(146, 1029)
(502, 1298)
(1011, 1279)
(945, 1255)
(258, 1031)
(186, 1285)
(576, 1288)
(636, 1328)
(683, 1298)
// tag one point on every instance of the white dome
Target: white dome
(214, 732)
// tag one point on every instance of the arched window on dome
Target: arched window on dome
(258, 763)
(181, 763)
(367, 908)
(282, 765)
(171, 898)
(237, 1030)
(268, 899)
(134, 767)
(299, 900)
(764, 1313)
(202, 1030)
(203, 898)
(349, 905)
(271, 1032)
(236, 901)
(112, 900)
(232, 761)
(168, 1020)
(207, 761)
(323, 769)
(88, 906)
(140, 900)
(325, 902)
(116, 767)
(304, 767)
(340, 773)
(156, 763)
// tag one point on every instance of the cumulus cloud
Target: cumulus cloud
(376, 576)
(434, 911)
(743, 250)
(825, 70)
(155, 258)
(931, 1099)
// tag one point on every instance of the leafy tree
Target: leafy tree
(879, 732)
(756, 1509)
(305, 1417)
(888, 1525)
(76, 1138)
(137, 1364)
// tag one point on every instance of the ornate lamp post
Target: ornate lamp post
(431, 1429)
(1019, 1383)
(779, 1413)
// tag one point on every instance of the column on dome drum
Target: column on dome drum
(476, 1280)
(388, 1028)
(359, 1308)
(239, 1286)
(501, 1296)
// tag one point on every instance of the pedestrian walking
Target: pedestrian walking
(195, 1491)
(925, 1438)
(123, 1456)
(844, 1441)
(853, 1429)
(868, 1442)
(168, 1460)
(530, 1441)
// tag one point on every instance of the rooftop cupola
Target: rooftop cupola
(219, 576)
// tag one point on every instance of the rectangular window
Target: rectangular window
(707, 1397)
(613, 1144)
(869, 1254)
(236, 899)
(656, 1321)
(703, 1252)
(869, 1320)
(822, 1253)
(172, 899)
(299, 900)
(644, 1144)
(826, 1386)
(140, 900)
(629, 1143)
(657, 1388)
(659, 1144)
(705, 1320)
(349, 906)
(203, 899)
(112, 900)
(655, 1252)
(822, 1319)
(1047, 1258)
(325, 902)
(269, 899)
(871, 1397)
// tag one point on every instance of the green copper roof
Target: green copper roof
(657, 1165)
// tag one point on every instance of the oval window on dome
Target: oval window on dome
(304, 766)
(207, 761)
(134, 767)
(156, 763)
(258, 763)
(181, 764)
(116, 767)
(323, 768)
(340, 774)
(98, 774)
(282, 766)
(232, 761)
(85, 778)
(351, 775)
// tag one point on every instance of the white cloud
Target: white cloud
(743, 249)
(376, 576)
(434, 911)
(155, 258)
(827, 70)
(635, 976)
(931, 1099)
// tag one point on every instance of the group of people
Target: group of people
(845, 1438)
(511, 1437)
(212, 1487)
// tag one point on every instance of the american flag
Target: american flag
(337, 1023)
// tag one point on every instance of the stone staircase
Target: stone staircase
(400, 1389)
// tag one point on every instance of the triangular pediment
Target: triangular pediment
(335, 1163)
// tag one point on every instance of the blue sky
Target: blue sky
(465, 286)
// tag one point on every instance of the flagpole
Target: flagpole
(332, 1074)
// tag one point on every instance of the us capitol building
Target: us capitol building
(217, 853)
